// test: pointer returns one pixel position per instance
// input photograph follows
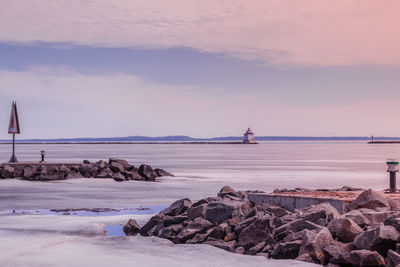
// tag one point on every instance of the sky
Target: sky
(93, 68)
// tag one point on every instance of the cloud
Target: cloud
(309, 32)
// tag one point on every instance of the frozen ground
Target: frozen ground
(65, 240)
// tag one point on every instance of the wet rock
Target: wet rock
(393, 259)
(338, 253)
(370, 200)
(133, 175)
(161, 172)
(118, 177)
(287, 250)
(7, 172)
(381, 239)
(366, 258)
(313, 242)
(147, 172)
(345, 229)
(151, 226)
(228, 246)
(131, 227)
(84, 170)
(177, 207)
(85, 161)
(254, 234)
(116, 167)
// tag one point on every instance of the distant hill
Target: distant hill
(184, 138)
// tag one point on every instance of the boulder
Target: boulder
(381, 239)
(7, 172)
(345, 229)
(151, 226)
(256, 249)
(257, 232)
(101, 164)
(29, 171)
(219, 212)
(116, 167)
(198, 211)
(131, 227)
(305, 257)
(105, 173)
(338, 253)
(313, 242)
(133, 175)
(228, 191)
(123, 162)
(65, 169)
(84, 170)
(147, 172)
(393, 259)
(228, 246)
(171, 231)
(294, 226)
(219, 231)
(178, 207)
(357, 217)
(376, 217)
(370, 200)
(161, 172)
(118, 177)
(169, 220)
(287, 250)
(278, 211)
(320, 211)
(394, 220)
(366, 258)
(199, 225)
(239, 250)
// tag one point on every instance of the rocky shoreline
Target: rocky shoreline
(117, 169)
(367, 235)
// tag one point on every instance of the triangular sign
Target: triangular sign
(13, 127)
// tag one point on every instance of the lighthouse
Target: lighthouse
(249, 137)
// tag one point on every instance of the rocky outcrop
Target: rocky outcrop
(316, 234)
(117, 169)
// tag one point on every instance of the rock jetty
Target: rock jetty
(117, 169)
(367, 235)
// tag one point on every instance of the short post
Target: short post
(393, 168)
(42, 154)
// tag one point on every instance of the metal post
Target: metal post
(13, 157)
(393, 188)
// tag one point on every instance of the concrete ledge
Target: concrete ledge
(297, 202)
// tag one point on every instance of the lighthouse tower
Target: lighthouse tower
(249, 137)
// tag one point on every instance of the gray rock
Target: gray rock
(394, 220)
(161, 172)
(116, 167)
(313, 242)
(320, 211)
(393, 259)
(381, 239)
(118, 177)
(133, 175)
(287, 250)
(228, 246)
(305, 257)
(197, 211)
(239, 250)
(278, 211)
(370, 200)
(123, 162)
(101, 164)
(376, 217)
(8, 172)
(338, 253)
(178, 207)
(228, 191)
(294, 226)
(171, 231)
(257, 232)
(29, 171)
(105, 173)
(131, 227)
(151, 226)
(65, 169)
(199, 225)
(345, 229)
(84, 170)
(147, 172)
(169, 220)
(366, 258)
(357, 217)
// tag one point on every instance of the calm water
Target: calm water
(266, 166)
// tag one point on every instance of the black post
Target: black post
(13, 157)
(393, 182)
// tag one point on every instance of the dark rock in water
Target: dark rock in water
(171, 231)
(105, 173)
(338, 253)
(118, 177)
(123, 162)
(370, 200)
(287, 250)
(132, 227)
(313, 242)
(147, 172)
(381, 239)
(117, 167)
(228, 246)
(150, 227)
(257, 232)
(85, 169)
(366, 258)
(228, 191)
(161, 172)
(345, 229)
(85, 161)
(178, 207)
(170, 220)
(101, 164)
(393, 259)
(7, 172)
(133, 175)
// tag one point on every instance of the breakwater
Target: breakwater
(117, 169)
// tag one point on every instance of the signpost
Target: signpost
(13, 128)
